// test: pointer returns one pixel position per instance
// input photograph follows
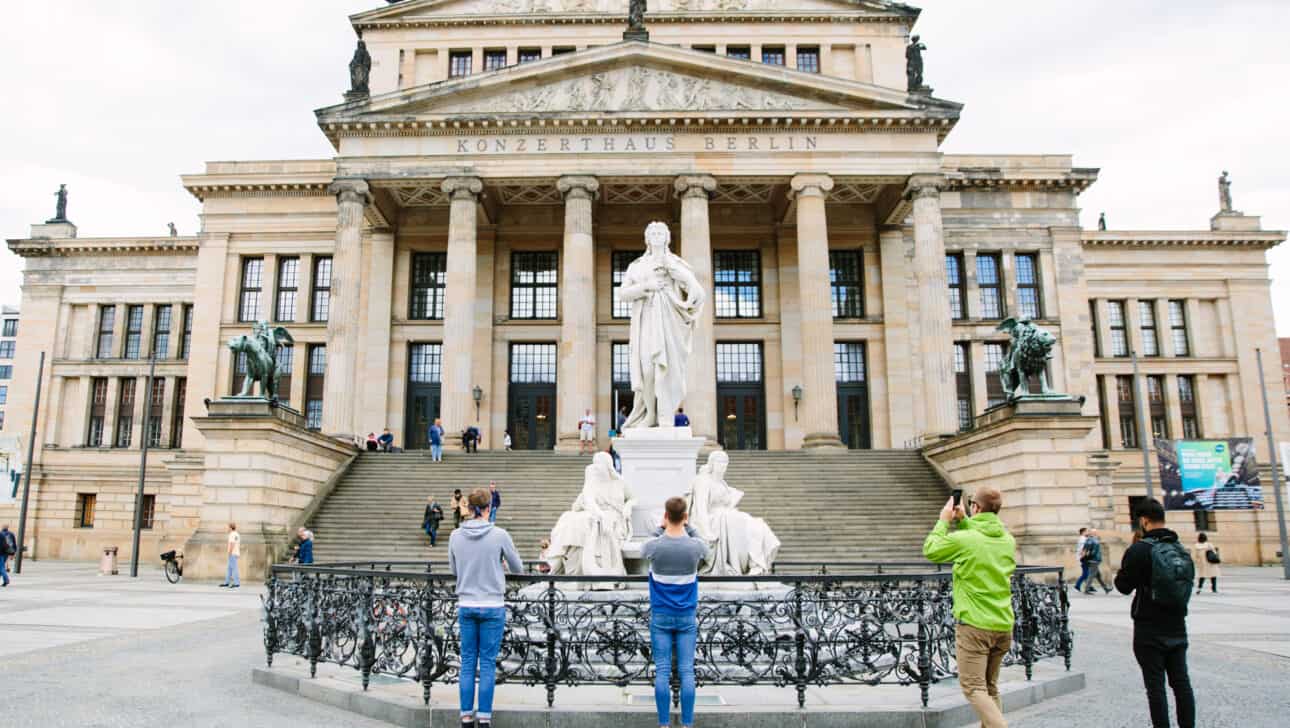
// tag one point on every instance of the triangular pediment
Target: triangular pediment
(428, 10)
(637, 78)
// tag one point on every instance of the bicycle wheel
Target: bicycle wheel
(173, 575)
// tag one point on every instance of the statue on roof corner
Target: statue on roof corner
(1225, 193)
(914, 64)
(60, 205)
(360, 71)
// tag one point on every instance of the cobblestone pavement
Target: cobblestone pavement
(84, 650)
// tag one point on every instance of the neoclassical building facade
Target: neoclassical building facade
(458, 257)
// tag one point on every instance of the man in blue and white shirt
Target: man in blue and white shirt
(674, 555)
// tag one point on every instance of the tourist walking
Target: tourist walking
(436, 441)
(587, 434)
(1091, 563)
(984, 555)
(674, 554)
(1157, 570)
(475, 555)
(1205, 555)
(232, 579)
(8, 548)
(432, 518)
(495, 501)
(305, 548)
(460, 508)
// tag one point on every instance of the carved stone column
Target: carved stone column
(352, 197)
(577, 367)
(457, 407)
(696, 249)
(936, 340)
(819, 409)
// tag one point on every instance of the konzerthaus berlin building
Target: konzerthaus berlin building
(458, 256)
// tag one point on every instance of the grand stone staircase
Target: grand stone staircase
(860, 505)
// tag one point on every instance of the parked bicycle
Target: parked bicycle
(174, 566)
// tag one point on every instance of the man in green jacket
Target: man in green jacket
(984, 558)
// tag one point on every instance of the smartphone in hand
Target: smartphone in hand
(958, 496)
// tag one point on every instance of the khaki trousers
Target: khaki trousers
(980, 654)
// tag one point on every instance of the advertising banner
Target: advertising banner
(1209, 475)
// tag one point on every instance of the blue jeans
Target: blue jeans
(670, 634)
(1083, 575)
(4, 570)
(492, 514)
(436, 453)
(481, 638)
(231, 577)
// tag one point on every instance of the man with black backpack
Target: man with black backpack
(1161, 573)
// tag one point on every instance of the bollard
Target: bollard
(107, 564)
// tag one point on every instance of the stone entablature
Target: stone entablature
(1261, 240)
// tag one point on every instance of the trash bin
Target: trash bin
(107, 565)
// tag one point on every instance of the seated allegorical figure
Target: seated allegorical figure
(741, 544)
(588, 540)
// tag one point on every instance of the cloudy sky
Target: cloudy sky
(117, 99)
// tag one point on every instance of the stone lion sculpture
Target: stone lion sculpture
(1028, 356)
(261, 350)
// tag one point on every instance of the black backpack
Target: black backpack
(1172, 575)
(9, 545)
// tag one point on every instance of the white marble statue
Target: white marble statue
(588, 540)
(742, 545)
(666, 300)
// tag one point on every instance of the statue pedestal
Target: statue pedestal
(658, 463)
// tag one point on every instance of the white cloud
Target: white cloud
(118, 99)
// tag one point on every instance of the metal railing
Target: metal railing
(890, 625)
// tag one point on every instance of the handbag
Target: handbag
(1212, 556)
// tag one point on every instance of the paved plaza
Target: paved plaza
(85, 650)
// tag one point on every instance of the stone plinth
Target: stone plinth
(1033, 451)
(53, 230)
(263, 471)
(1235, 222)
(658, 463)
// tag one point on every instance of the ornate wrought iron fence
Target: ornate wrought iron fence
(817, 627)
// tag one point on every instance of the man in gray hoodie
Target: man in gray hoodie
(475, 555)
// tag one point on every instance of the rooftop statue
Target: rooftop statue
(1101, 222)
(588, 539)
(60, 206)
(360, 71)
(261, 350)
(666, 300)
(1028, 356)
(914, 64)
(1225, 193)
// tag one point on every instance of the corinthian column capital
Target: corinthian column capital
(924, 187)
(578, 187)
(351, 189)
(811, 185)
(463, 188)
(695, 185)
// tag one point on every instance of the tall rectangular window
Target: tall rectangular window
(314, 386)
(739, 363)
(533, 364)
(320, 308)
(98, 412)
(252, 280)
(1178, 328)
(425, 363)
(849, 362)
(494, 59)
(460, 63)
(429, 280)
(994, 354)
(6, 349)
(1115, 320)
(1156, 407)
(4, 394)
(954, 274)
(534, 280)
(286, 363)
(149, 512)
(288, 288)
(963, 383)
(621, 364)
(1187, 402)
(133, 332)
(84, 516)
(186, 344)
(1103, 414)
(125, 412)
(1147, 322)
(107, 321)
(620, 262)
(528, 55)
(736, 276)
(742, 53)
(177, 416)
(808, 59)
(772, 55)
(1029, 299)
(990, 282)
(161, 332)
(6, 371)
(152, 419)
(10, 328)
(1128, 412)
(1094, 322)
(846, 275)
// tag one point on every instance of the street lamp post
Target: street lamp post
(26, 486)
(143, 466)
(1144, 430)
(1276, 471)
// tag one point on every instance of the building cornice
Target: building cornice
(724, 18)
(1073, 180)
(1261, 240)
(40, 248)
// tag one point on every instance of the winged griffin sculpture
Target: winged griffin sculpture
(261, 350)
(1028, 356)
